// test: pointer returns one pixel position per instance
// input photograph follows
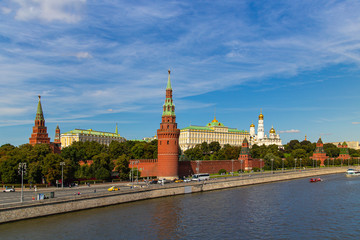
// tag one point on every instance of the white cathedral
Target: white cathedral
(261, 138)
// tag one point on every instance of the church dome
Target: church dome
(252, 125)
(272, 130)
(261, 116)
(215, 120)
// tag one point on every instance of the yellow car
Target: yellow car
(179, 180)
(113, 188)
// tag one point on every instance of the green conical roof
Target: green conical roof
(169, 82)
(39, 112)
(116, 129)
(319, 141)
(344, 144)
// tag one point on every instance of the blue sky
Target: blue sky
(98, 63)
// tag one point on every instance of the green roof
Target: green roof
(39, 112)
(92, 132)
(198, 128)
(206, 128)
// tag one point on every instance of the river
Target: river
(293, 209)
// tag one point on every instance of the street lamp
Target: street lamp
(232, 167)
(22, 171)
(300, 163)
(62, 164)
(295, 164)
(272, 162)
(241, 161)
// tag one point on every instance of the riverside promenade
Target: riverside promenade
(33, 209)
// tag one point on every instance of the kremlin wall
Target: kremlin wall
(170, 138)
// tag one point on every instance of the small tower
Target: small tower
(272, 132)
(168, 139)
(260, 133)
(57, 135)
(319, 153)
(252, 130)
(116, 130)
(39, 134)
(245, 155)
(344, 151)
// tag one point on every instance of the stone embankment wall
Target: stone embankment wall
(45, 207)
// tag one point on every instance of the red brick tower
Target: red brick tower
(245, 155)
(57, 135)
(168, 139)
(39, 134)
(319, 153)
(344, 151)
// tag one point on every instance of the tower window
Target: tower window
(168, 142)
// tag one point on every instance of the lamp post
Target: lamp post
(261, 166)
(295, 164)
(62, 164)
(132, 174)
(241, 161)
(341, 162)
(272, 163)
(137, 172)
(300, 163)
(316, 163)
(22, 171)
(232, 167)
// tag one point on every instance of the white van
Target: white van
(201, 177)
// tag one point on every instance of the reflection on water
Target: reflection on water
(285, 210)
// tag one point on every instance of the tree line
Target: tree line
(294, 150)
(44, 166)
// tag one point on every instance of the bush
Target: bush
(222, 171)
(255, 169)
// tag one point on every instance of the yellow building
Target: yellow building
(82, 135)
(212, 132)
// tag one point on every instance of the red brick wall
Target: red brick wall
(147, 167)
(187, 168)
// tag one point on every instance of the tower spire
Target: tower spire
(116, 129)
(39, 112)
(169, 82)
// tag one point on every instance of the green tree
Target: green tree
(214, 147)
(122, 166)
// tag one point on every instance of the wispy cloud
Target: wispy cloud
(49, 10)
(355, 123)
(290, 131)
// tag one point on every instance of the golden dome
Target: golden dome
(272, 130)
(261, 116)
(215, 120)
(252, 125)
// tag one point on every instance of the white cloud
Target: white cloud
(50, 10)
(290, 131)
(355, 123)
(83, 55)
(5, 10)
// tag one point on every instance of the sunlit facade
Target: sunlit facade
(212, 132)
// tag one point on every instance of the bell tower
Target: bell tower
(168, 139)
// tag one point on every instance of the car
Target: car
(9, 190)
(179, 180)
(113, 188)
(153, 181)
(187, 180)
